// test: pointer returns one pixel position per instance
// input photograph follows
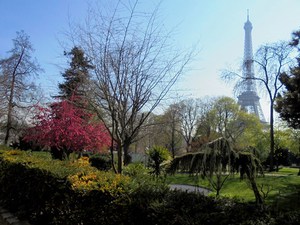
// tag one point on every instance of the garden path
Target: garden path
(6, 218)
(190, 188)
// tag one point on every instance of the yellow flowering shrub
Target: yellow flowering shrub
(83, 161)
(100, 181)
(14, 152)
(79, 173)
(89, 178)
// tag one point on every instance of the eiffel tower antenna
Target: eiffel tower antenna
(247, 14)
(248, 99)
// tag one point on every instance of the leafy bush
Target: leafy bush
(136, 170)
(157, 156)
(101, 161)
(55, 192)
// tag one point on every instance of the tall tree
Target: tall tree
(76, 77)
(288, 104)
(188, 114)
(205, 125)
(15, 80)
(222, 117)
(226, 119)
(135, 67)
(171, 128)
(226, 115)
(270, 61)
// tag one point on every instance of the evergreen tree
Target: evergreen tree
(288, 104)
(76, 76)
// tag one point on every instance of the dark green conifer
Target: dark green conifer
(288, 104)
(76, 76)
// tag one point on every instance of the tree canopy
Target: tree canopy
(66, 128)
(17, 89)
(288, 104)
(77, 76)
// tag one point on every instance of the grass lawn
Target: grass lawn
(283, 187)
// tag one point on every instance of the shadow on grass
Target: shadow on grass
(288, 198)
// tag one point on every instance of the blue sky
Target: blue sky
(216, 25)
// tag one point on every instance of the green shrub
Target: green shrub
(136, 170)
(54, 192)
(157, 155)
(101, 161)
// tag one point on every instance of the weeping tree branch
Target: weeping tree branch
(218, 158)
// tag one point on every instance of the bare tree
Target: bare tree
(270, 61)
(188, 113)
(205, 124)
(16, 87)
(135, 67)
(171, 126)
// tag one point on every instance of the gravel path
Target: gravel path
(190, 188)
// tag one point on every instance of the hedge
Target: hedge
(55, 192)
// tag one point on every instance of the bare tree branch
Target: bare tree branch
(135, 67)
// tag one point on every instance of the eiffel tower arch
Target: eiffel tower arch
(249, 99)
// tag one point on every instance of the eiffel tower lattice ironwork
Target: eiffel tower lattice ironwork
(249, 99)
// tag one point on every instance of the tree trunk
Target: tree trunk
(120, 158)
(258, 198)
(272, 142)
(112, 157)
(188, 147)
(127, 158)
(8, 124)
(9, 112)
(173, 142)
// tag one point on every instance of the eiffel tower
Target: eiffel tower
(248, 99)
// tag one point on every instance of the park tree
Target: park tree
(287, 144)
(66, 128)
(226, 116)
(135, 66)
(17, 88)
(222, 117)
(188, 116)
(76, 77)
(162, 130)
(227, 119)
(251, 132)
(150, 134)
(270, 61)
(171, 127)
(205, 131)
(216, 160)
(288, 104)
